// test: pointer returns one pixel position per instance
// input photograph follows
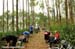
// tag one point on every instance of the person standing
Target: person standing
(31, 29)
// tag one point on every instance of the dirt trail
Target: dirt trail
(36, 42)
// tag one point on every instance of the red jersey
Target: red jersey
(57, 35)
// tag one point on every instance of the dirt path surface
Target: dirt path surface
(36, 42)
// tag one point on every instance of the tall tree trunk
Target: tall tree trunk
(47, 5)
(28, 17)
(32, 11)
(3, 14)
(66, 11)
(26, 13)
(54, 14)
(23, 13)
(7, 16)
(17, 15)
(54, 11)
(57, 10)
(59, 16)
(19, 18)
(33, 15)
(12, 15)
(71, 12)
(43, 23)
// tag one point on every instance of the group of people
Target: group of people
(50, 38)
(54, 39)
(12, 40)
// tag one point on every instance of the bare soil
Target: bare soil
(36, 42)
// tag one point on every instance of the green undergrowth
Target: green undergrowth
(67, 32)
